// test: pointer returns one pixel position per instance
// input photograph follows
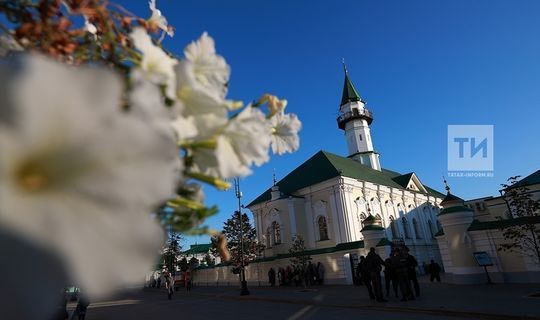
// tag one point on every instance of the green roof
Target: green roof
(450, 197)
(371, 218)
(349, 92)
(198, 248)
(454, 209)
(531, 179)
(372, 227)
(403, 180)
(502, 223)
(323, 166)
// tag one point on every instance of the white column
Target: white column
(292, 217)
(353, 213)
(400, 221)
(383, 213)
(342, 205)
(310, 237)
(336, 221)
(256, 214)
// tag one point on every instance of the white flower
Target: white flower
(158, 19)
(78, 176)
(184, 127)
(285, 129)
(249, 134)
(157, 66)
(89, 27)
(203, 69)
(196, 102)
(245, 141)
(275, 105)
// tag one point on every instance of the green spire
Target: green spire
(349, 92)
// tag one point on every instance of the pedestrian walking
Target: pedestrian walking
(169, 285)
(374, 264)
(434, 271)
(272, 277)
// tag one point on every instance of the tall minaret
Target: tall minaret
(355, 119)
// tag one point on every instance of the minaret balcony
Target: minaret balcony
(354, 114)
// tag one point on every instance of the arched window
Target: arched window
(268, 237)
(406, 228)
(417, 231)
(393, 227)
(430, 227)
(400, 210)
(277, 232)
(323, 228)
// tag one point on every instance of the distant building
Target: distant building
(475, 226)
(199, 252)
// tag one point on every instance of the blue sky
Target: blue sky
(420, 65)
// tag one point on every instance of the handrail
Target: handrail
(355, 113)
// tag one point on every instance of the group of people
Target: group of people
(399, 273)
(311, 274)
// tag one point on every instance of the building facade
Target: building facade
(476, 226)
(328, 198)
(342, 206)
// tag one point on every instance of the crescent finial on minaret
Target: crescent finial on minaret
(344, 66)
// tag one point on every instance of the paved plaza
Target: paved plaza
(437, 301)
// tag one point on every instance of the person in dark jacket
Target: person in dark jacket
(390, 276)
(411, 267)
(374, 264)
(434, 271)
(399, 263)
(364, 276)
(272, 277)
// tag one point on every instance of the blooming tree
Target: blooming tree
(106, 136)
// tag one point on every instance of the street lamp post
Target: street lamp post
(243, 290)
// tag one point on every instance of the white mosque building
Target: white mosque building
(336, 202)
(342, 206)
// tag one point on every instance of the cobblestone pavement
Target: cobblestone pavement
(437, 301)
